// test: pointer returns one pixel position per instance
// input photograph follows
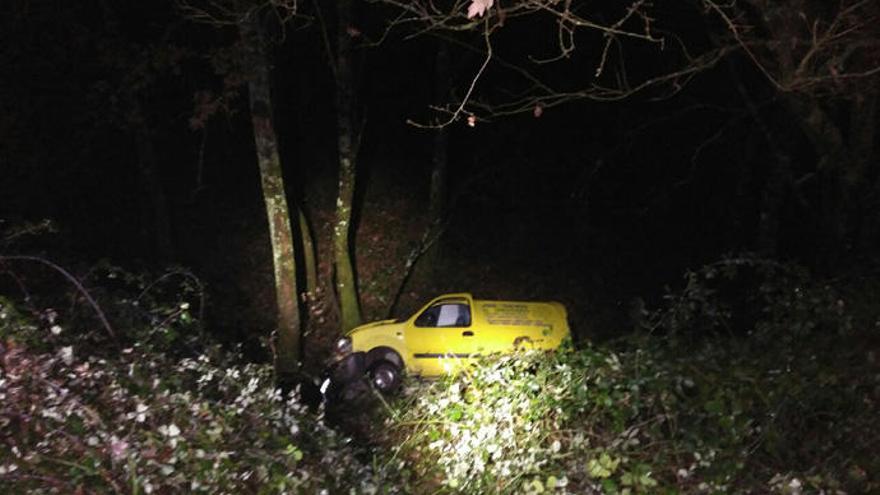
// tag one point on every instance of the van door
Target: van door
(441, 337)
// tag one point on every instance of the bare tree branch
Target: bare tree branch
(629, 22)
(805, 50)
(73, 280)
(470, 90)
(234, 12)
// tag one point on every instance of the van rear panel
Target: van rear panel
(507, 324)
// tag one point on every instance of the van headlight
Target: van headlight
(343, 346)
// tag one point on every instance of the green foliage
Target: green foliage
(756, 379)
(161, 411)
(746, 295)
(784, 404)
(14, 322)
(142, 423)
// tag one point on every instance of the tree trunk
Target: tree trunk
(437, 195)
(832, 164)
(439, 159)
(772, 202)
(158, 207)
(309, 261)
(804, 62)
(439, 162)
(778, 182)
(863, 146)
(283, 256)
(346, 288)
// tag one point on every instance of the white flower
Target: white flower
(140, 413)
(170, 430)
(66, 354)
(56, 329)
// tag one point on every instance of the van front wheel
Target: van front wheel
(385, 377)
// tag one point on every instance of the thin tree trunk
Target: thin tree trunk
(778, 182)
(832, 164)
(346, 288)
(437, 199)
(309, 261)
(283, 256)
(863, 146)
(772, 202)
(440, 160)
(428, 256)
(158, 207)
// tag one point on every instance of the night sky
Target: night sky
(591, 202)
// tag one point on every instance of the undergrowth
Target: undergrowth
(152, 404)
(755, 378)
(706, 400)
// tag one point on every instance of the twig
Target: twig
(186, 274)
(429, 238)
(470, 90)
(72, 280)
(29, 229)
(432, 235)
(328, 47)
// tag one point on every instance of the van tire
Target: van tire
(385, 377)
(383, 353)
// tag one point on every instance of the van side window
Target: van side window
(445, 315)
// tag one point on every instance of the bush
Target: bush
(143, 424)
(784, 404)
(158, 409)
(754, 379)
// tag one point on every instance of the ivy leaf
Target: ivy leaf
(603, 467)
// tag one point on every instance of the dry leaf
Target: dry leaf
(479, 7)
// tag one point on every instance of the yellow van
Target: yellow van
(447, 333)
